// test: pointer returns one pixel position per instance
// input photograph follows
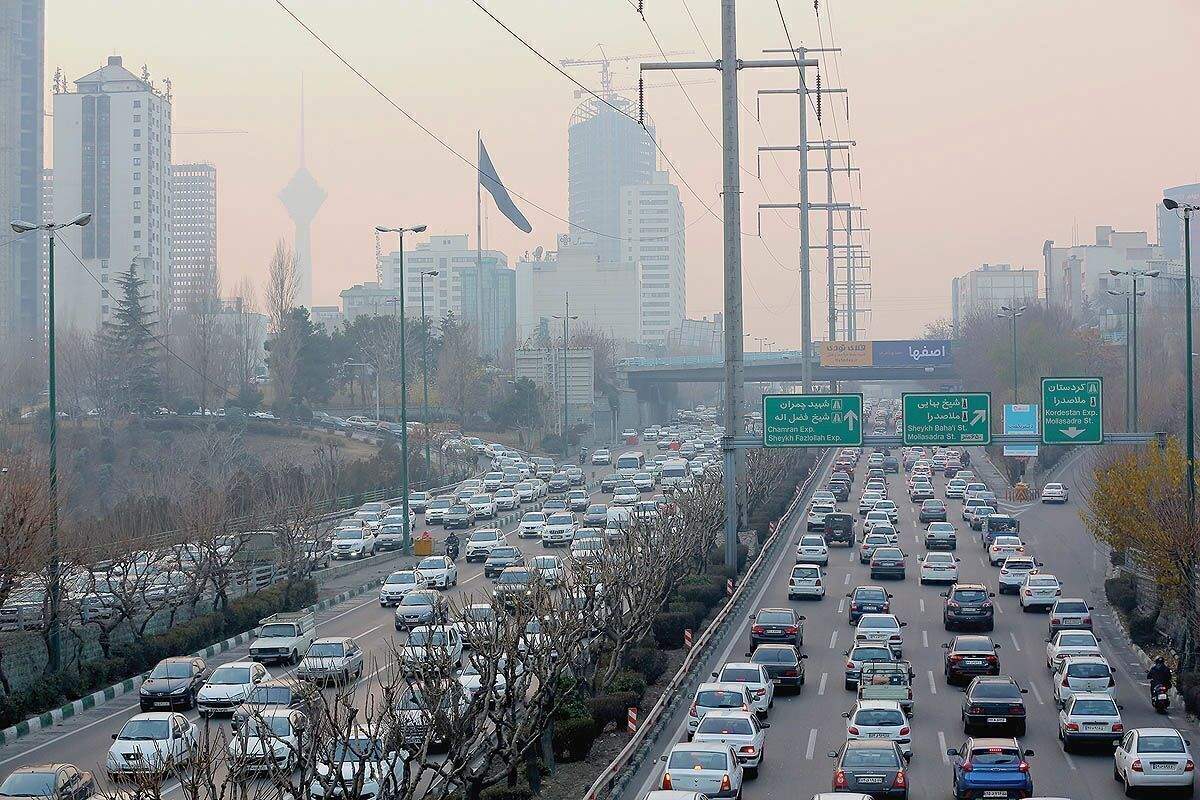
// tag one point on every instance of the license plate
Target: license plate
(1094, 727)
(996, 793)
(996, 720)
(877, 736)
(972, 662)
(1162, 766)
(163, 704)
(774, 630)
(870, 779)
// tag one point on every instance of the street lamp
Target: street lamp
(1012, 312)
(407, 546)
(1188, 209)
(54, 651)
(566, 318)
(430, 273)
(1130, 378)
(1133, 275)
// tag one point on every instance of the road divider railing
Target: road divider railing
(626, 763)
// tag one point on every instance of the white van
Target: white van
(629, 464)
(674, 472)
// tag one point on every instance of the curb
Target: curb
(55, 716)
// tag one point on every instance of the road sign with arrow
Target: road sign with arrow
(1072, 411)
(950, 418)
(812, 420)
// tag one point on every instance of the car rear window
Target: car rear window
(1070, 608)
(995, 755)
(969, 596)
(1088, 670)
(720, 698)
(974, 646)
(774, 655)
(725, 725)
(862, 757)
(878, 716)
(888, 552)
(774, 618)
(870, 596)
(1160, 744)
(740, 675)
(1077, 640)
(1094, 708)
(993, 690)
(871, 654)
(698, 759)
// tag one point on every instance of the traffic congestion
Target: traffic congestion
(916, 642)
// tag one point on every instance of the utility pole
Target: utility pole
(732, 418)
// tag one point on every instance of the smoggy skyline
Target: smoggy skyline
(982, 129)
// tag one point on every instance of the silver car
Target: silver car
(711, 768)
(741, 730)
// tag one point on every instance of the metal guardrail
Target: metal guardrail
(609, 774)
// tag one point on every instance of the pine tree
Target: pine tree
(129, 337)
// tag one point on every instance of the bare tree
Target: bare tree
(202, 338)
(245, 336)
(283, 287)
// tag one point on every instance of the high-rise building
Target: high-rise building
(1170, 223)
(652, 236)
(985, 289)
(22, 82)
(606, 151)
(454, 289)
(112, 157)
(194, 233)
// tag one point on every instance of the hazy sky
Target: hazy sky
(984, 126)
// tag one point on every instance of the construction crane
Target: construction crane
(605, 61)
(580, 92)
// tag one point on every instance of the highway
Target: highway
(805, 727)
(84, 739)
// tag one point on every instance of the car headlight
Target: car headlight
(180, 690)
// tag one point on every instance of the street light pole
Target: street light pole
(432, 273)
(54, 570)
(1012, 312)
(406, 548)
(1187, 210)
(566, 318)
(1134, 274)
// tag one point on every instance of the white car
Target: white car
(602, 456)
(229, 686)
(432, 645)
(353, 543)
(480, 543)
(876, 518)
(506, 500)
(756, 680)
(370, 518)
(1003, 548)
(939, 568)
(812, 550)
(526, 491)
(1039, 591)
(151, 744)
(817, 513)
(879, 719)
(867, 502)
(705, 769)
(1013, 571)
(269, 742)
(974, 488)
(395, 586)
(1054, 493)
(824, 497)
(471, 680)
(956, 487)
(715, 696)
(361, 759)
(1162, 757)
(1070, 643)
(435, 510)
(969, 506)
(548, 568)
(889, 508)
(484, 505)
(741, 730)
(1082, 674)
(437, 572)
(558, 529)
(880, 629)
(1089, 717)
(806, 581)
(531, 525)
(475, 621)
(625, 495)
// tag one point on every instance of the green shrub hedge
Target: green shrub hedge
(133, 658)
(629, 681)
(503, 791)
(668, 627)
(1141, 628)
(649, 661)
(1121, 591)
(611, 709)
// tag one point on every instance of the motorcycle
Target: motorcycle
(452, 550)
(1160, 698)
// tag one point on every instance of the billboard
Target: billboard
(1021, 418)
(912, 353)
(845, 354)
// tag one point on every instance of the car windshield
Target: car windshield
(358, 749)
(873, 757)
(969, 596)
(348, 533)
(545, 562)
(439, 504)
(228, 676)
(870, 596)
(270, 696)
(560, 519)
(433, 562)
(597, 509)
(995, 756)
(484, 536)
(1076, 640)
(737, 726)
(166, 670)
(707, 760)
(740, 675)
(401, 577)
(277, 631)
(995, 690)
(144, 730)
(28, 784)
(878, 716)
(1069, 607)
(774, 655)
(514, 576)
(417, 599)
(534, 516)
(480, 498)
(720, 698)
(427, 638)
(271, 727)
(1145, 744)
(775, 618)
(326, 650)
(504, 552)
(1094, 708)
(479, 612)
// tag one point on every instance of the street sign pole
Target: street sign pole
(1072, 411)
(812, 420)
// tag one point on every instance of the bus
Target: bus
(628, 464)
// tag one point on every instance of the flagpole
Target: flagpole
(479, 236)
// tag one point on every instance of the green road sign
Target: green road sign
(812, 420)
(950, 418)
(1072, 411)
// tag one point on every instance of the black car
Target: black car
(932, 511)
(868, 600)
(173, 683)
(968, 605)
(558, 482)
(459, 516)
(839, 527)
(969, 656)
(840, 490)
(777, 626)
(275, 693)
(609, 482)
(782, 662)
(501, 557)
(891, 464)
(994, 701)
(875, 767)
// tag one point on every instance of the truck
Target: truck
(887, 680)
(284, 637)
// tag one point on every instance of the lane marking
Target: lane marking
(1036, 694)
(812, 744)
(833, 640)
(821, 688)
(922, 603)
(999, 608)
(842, 606)
(847, 581)
(932, 682)
(942, 747)
(1070, 761)
(1013, 636)
(982, 563)
(925, 638)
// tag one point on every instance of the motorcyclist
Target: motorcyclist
(1159, 674)
(452, 545)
